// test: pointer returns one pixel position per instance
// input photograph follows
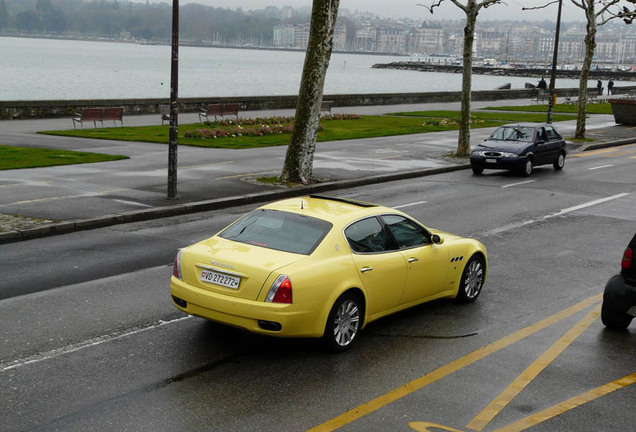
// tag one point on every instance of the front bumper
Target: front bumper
(296, 320)
(497, 162)
(621, 295)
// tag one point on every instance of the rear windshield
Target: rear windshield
(288, 232)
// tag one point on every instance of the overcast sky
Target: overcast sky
(409, 8)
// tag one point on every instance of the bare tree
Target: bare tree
(597, 13)
(471, 8)
(299, 159)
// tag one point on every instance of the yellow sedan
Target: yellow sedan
(323, 267)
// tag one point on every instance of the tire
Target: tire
(526, 170)
(559, 162)
(477, 170)
(613, 319)
(472, 280)
(344, 323)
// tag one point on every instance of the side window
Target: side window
(406, 232)
(367, 235)
(552, 134)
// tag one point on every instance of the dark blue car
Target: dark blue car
(520, 147)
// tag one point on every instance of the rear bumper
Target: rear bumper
(621, 295)
(296, 320)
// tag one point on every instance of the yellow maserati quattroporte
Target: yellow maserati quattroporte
(323, 267)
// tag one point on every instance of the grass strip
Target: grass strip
(26, 157)
(596, 108)
(333, 130)
(490, 116)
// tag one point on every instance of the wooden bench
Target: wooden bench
(99, 115)
(219, 110)
(541, 97)
(325, 107)
(116, 114)
(89, 114)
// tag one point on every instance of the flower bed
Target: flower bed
(253, 126)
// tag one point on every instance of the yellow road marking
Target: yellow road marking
(417, 384)
(569, 404)
(594, 152)
(245, 175)
(481, 420)
(620, 153)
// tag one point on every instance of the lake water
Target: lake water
(41, 69)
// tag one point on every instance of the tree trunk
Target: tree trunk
(590, 45)
(302, 144)
(463, 144)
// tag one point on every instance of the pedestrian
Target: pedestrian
(542, 85)
(610, 87)
(599, 87)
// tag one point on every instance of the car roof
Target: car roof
(332, 209)
(528, 125)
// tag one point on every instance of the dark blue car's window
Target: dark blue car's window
(288, 232)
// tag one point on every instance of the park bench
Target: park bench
(219, 110)
(116, 114)
(325, 107)
(99, 115)
(541, 97)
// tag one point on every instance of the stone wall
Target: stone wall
(67, 108)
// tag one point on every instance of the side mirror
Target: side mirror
(437, 239)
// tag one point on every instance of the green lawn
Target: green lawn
(333, 130)
(24, 157)
(598, 108)
(499, 116)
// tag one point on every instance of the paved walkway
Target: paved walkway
(44, 201)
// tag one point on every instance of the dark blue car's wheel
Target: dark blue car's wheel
(477, 170)
(527, 167)
(559, 162)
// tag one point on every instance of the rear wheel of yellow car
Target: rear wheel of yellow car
(343, 323)
(472, 280)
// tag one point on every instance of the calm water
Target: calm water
(37, 69)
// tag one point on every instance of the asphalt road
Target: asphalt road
(92, 343)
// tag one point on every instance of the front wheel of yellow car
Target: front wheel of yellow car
(472, 280)
(343, 323)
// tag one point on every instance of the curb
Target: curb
(588, 147)
(215, 204)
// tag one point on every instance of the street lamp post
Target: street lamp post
(174, 105)
(554, 64)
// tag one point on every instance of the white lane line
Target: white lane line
(132, 203)
(589, 204)
(518, 184)
(516, 225)
(37, 358)
(409, 204)
(600, 167)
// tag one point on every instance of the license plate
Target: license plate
(220, 279)
(491, 160)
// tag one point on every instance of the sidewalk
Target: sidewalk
(70, 198)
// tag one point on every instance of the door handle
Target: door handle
(413, 259)
(365, 269)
